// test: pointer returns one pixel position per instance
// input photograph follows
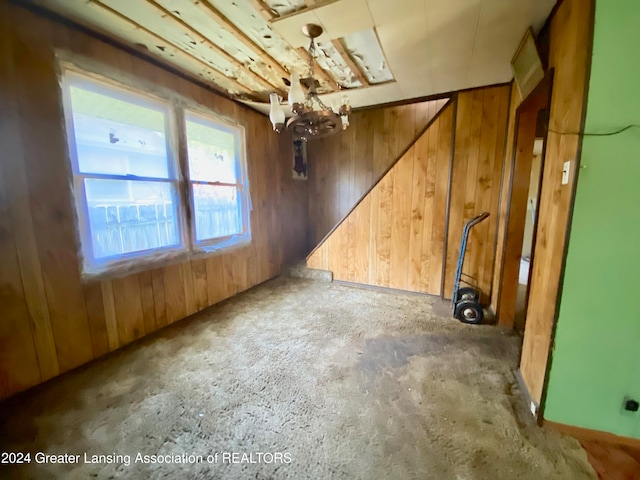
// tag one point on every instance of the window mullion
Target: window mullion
(181, 165)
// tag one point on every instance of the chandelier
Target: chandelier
(312, 118)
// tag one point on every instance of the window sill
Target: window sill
(157, 260)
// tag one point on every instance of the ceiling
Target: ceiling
(375, 51)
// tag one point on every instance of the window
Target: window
(217, 181)
(130, 198)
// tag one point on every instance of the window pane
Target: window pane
(217, 211)
(118, 137)
(130, 216)
(212, 156)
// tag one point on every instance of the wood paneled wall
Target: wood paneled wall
(344, 167)
(50, 319)
(395, 236)
(569, 55)
(478, 158)
(408, 217)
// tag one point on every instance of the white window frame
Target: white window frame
(212, 120)
(104, 86)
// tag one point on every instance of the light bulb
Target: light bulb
(276, 114)
(296, 94)
(345, 108)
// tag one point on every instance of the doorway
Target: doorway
(529, 230)
(520, 232)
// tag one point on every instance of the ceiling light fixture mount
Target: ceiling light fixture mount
(312, 118)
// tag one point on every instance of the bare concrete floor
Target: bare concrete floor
(348, 383)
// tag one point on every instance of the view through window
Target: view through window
(216, 179)
(126, 175)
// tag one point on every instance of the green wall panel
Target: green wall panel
(596, 362)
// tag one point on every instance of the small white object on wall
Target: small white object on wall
(566, 168)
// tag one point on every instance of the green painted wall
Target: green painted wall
(596, 362)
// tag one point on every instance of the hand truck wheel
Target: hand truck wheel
(468, 293)
(469, 312)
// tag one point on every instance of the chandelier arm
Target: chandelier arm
(323, 105)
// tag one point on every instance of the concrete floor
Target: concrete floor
(315, 380)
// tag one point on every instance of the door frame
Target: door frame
(518, 190)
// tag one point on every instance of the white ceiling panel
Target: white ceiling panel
(290, 28)
(453, 16)
(385, 12)
(405, 46)
(390, 92)
(344, 17)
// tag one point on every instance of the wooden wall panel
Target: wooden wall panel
(52, 319)
(386, 238)
(478, 157)
(17, 350)
(343, 168)
(569, 56)
(111, 320)
(97, 318)
(128, 304)
(42, 135)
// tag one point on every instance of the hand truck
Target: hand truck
(465, 301)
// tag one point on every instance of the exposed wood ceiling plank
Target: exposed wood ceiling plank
(352, 65)
(220, 77)
(110, 26)
(318, 71)
(263, 9)
(172, 18)
(308, 7)
(239, 35)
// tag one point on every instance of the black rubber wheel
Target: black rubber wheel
(469, 312)
(468, 294)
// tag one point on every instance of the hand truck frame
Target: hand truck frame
(465, 301)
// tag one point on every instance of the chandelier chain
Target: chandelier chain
(313, 95)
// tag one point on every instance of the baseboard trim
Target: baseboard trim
(581, 433)
(527, 395)
(378, 288)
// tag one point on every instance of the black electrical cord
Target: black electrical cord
(607, 134)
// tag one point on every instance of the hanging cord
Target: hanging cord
(606, 134)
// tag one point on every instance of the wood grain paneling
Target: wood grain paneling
(386, 237)
(407, 209)
(53, 320)
(343, 168)
(42, 135)
(569, 55)
(18, 219)
(17, 351)
(478, 158)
